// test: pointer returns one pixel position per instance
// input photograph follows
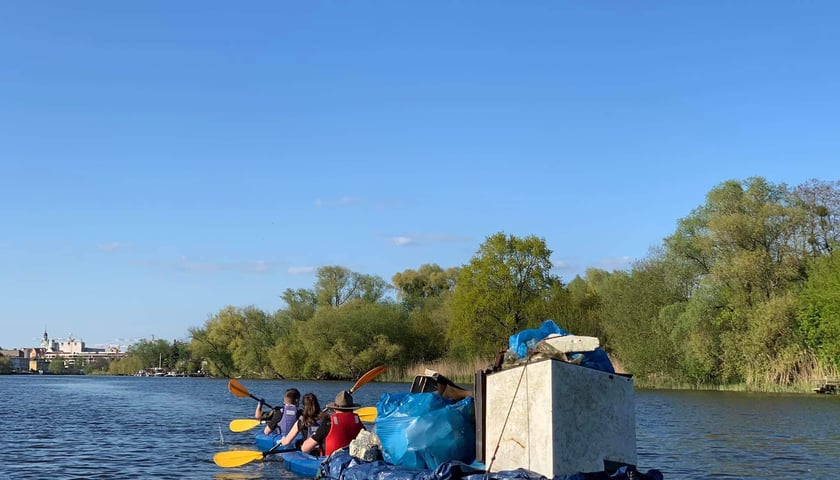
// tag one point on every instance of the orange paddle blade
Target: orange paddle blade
(373, 373)
(237, 388)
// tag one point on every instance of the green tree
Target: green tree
(337, 285)
(151, 353)
(574, 307)
(5, 364)
(818, 316)
(373, 288)
(56, 366)
(771, 351)
(128, 365)
(80, 365)
(236, 341)
(427, 326)
(98, 366)
(300, 303)
(501, 291)
(429, 281)
(744, 250)
(820, 203)
(258, 333)
(343, 342)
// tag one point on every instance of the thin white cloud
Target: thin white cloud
(423, 239)
(301, 270)
(260, 266)
(111, 246)
(403, 241)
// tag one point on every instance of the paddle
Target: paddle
(237, 458)
(370, 375)
(243, 424)
(366, 414)
(239, 390)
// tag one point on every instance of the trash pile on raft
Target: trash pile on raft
(430, 432)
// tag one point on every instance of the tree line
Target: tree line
(746, 290)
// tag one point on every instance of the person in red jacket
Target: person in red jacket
(338, 429)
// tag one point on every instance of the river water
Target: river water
(87, 427)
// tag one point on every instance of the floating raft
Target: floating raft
(341, 466)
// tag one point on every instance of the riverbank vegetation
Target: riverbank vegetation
(744, 293)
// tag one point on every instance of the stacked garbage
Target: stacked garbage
(428, 433)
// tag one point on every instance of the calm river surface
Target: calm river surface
(85, 427)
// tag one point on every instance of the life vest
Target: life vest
(310, 430)
(290, 416)
(344, 428)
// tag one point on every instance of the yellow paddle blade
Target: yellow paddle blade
(236, 458)
(243, 424)
(237, 388)
(366, 414)
(373, 373)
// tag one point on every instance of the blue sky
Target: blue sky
(160, 160)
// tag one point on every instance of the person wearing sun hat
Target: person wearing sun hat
(338, 429)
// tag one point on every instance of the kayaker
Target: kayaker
(281, 420)
(308, 422)
(338, 429)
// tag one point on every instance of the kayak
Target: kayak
(266, 442)
(302, 464)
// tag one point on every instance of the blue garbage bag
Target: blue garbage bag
(521, 342)
(424, 430)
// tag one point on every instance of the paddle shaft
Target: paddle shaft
(261, 401)
(277, 449)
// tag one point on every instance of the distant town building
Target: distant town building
(49, 345)
(37, 359)
(71, 350)
(18, 361)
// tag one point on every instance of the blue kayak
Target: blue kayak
(266, 442)
(302, 464)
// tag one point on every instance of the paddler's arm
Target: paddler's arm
(313, 441)
(308, 445)
(271, 424)
(289, 438)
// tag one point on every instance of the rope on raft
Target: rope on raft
(510, 409)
